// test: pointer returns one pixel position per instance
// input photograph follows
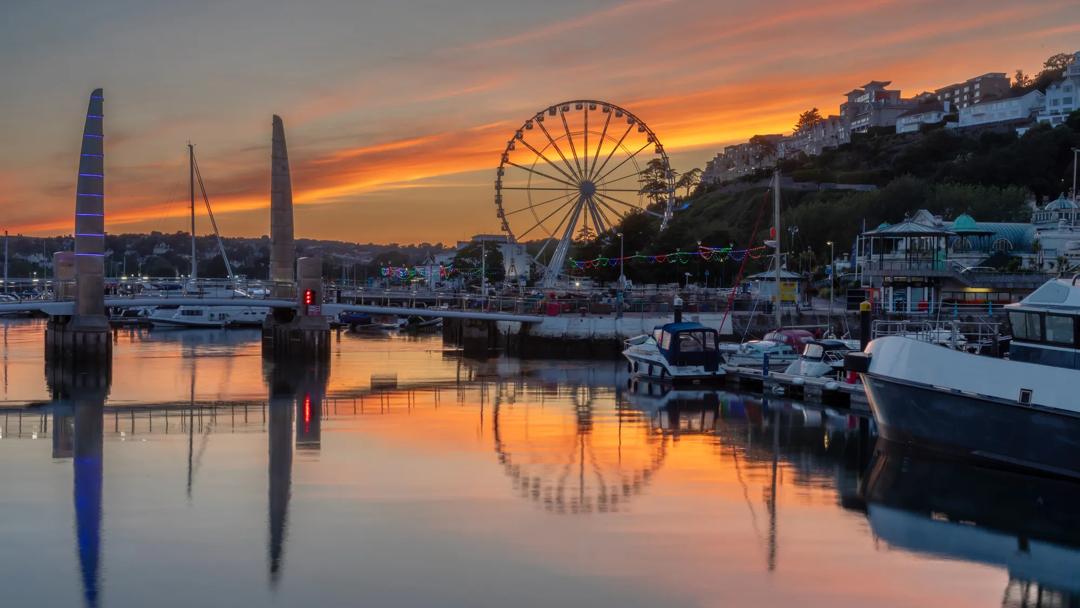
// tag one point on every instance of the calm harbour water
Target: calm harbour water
(406, 475)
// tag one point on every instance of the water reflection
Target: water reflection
(296, 393)
(1025, 524)
(78, 433)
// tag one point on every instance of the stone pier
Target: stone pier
(84, 336)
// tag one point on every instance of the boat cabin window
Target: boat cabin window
(665, 341)
(814, 351)
(1026, 325)
(1059, 329)
(696, 342)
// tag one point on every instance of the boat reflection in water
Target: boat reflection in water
(959, 510)
(78, 408)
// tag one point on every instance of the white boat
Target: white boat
(819, 359)
(208, 316)
(1020, 411)
(753, 352)
(685, 352)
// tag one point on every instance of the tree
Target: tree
(1021, 81)
(475, 256)
(653, 181)
(688, 180)
(808, 119)
(1058, 62)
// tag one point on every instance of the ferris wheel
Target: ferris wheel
(573, 171)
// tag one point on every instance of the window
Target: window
(1026, 325)
(690, 343)
(1059, 329)
(665, 342)
(1066, 101)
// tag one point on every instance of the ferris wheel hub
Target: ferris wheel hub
(587, 188)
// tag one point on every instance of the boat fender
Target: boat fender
(857, 362)
(798, 381)
(832, 386)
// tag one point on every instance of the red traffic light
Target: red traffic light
(309, 297)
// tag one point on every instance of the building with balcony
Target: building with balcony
(993, 85)
(1017, 110)
(925, 263)
(1062, 97)
(926, 113)
(872, 106)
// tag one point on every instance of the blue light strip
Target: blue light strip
(94, 116)
(91, 195)
(93, 255)
(94, 234)
(91, 135)
(93, 155)
(90, 215)
(101, 175)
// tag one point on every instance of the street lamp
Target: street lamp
(1076, 155)
(622, 261)
(832, 280)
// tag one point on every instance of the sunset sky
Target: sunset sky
(396, 111)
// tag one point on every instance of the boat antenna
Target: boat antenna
(213, 222)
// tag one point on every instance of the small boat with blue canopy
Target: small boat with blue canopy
(683, 352)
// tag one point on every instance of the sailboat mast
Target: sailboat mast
(776, 228)
(191, 183)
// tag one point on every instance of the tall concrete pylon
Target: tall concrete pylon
(90, 221)
(282, 249)
(85, 335)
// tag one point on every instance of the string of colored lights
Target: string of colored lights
(410, 273)
(704, 252)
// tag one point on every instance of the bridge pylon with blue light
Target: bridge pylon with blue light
(84, 335)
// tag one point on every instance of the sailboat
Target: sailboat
(206, 316)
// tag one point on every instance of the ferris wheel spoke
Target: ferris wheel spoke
(548, 161)
(612, 199)
(634, 190)
(558, 227)
(612, 152)
(537, 188)
(585, 148)
(599, 144)
(535, 205)
(570, 138)
(558, 149)
(603, 224)
(624, 161)
(619, 179)
(552, 178)
(548, 216)
(618, 216)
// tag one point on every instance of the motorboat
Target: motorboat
(753, 353)
(1020, 411)
(683, 352)
(797, 339)
(820, 359)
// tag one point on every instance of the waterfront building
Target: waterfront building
(926, 113)
(925, 261)
(1017, 110)
(993, 85)
(872, 106)
(1062, 97)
